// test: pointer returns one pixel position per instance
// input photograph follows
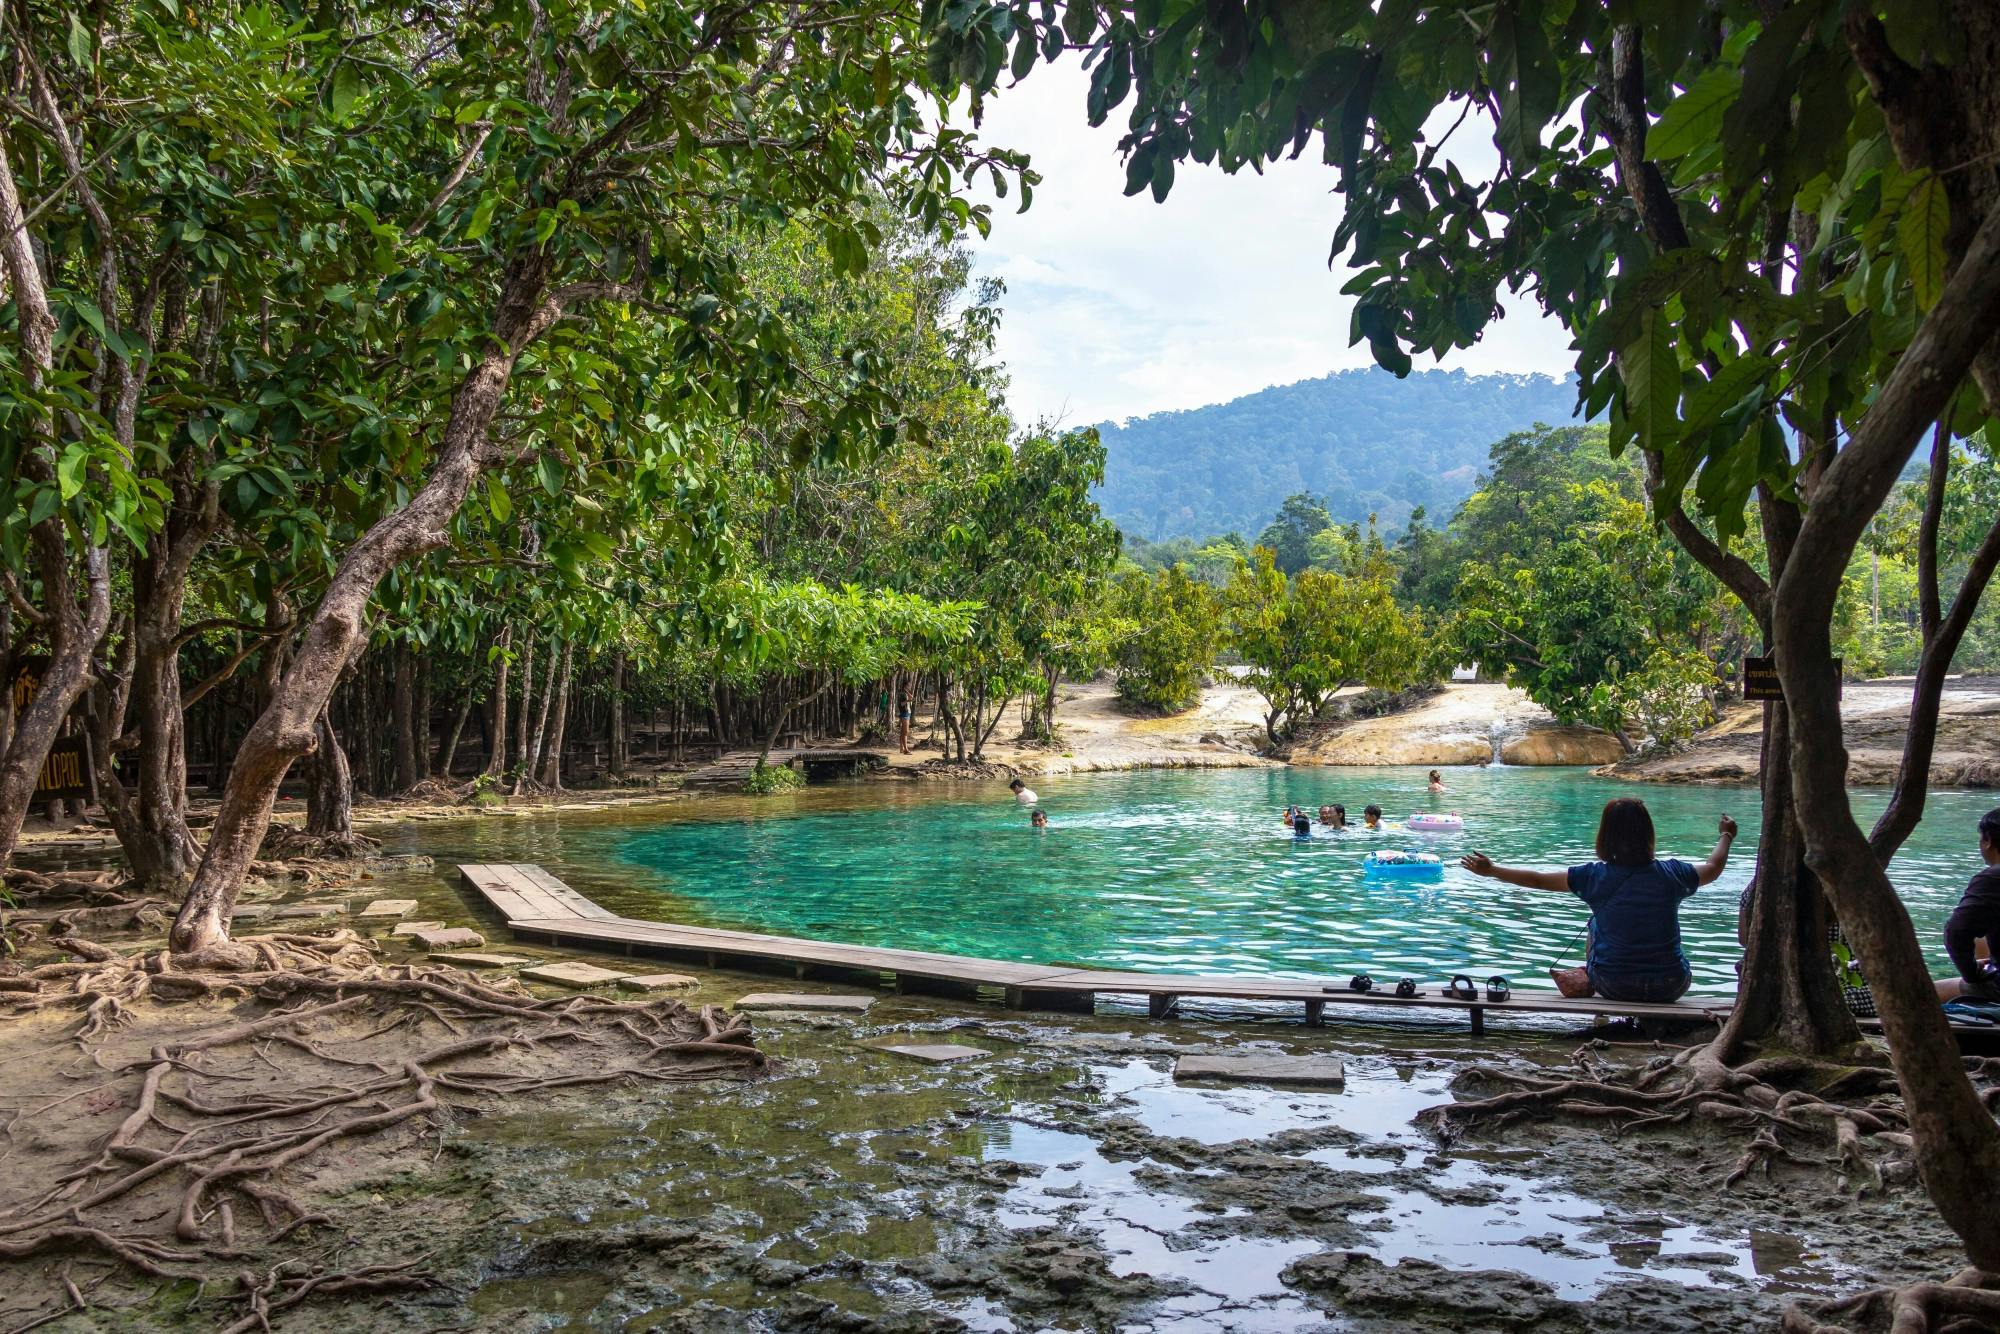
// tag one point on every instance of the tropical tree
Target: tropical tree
(1172, 632)
(1752, 217)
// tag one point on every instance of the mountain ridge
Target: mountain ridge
(1364, 441)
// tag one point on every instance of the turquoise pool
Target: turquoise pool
(1173, 870)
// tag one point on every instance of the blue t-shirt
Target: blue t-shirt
(1636, 911)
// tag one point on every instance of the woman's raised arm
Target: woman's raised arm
(1480, 864)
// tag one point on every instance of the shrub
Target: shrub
(768, 778)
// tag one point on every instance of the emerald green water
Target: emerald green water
(1187, 870)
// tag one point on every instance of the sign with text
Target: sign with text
(65, 773)
(29, 669)
(1760, 678)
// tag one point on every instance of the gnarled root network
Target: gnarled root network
(1785, 1104)
(1968, 1303)
(201, 1177)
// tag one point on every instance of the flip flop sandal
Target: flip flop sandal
(1497, 989)
(1461, 988)
(1407, 988)
(1962, 1013)
(1361, 982)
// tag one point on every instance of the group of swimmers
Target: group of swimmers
(1330, 817)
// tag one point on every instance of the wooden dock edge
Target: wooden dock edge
(540, 909)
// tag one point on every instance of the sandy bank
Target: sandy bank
(1462, 724)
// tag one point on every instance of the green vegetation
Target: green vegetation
(1752, 218)
(766, 779)
(1172, 635)
(1365, 442)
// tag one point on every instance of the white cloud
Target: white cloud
(1119, 307)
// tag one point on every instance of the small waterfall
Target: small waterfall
(1497, 733)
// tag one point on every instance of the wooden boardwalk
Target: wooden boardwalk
(539, 907)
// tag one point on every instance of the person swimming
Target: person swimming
(1302, 827)
(1371, 818)
(1039, 819)
(1437, 782)
(1334, 816)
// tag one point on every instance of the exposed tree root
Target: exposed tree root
(200, 1178)
(289, 844)
(1965, 1304)
(1837, 1106)
(1822, 1115)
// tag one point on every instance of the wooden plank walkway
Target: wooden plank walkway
(539, 907)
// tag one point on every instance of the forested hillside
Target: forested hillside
(1364, 441)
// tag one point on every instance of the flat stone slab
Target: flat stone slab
(300, 910)
(571, 974)
(781, 1000)
(656, 982)
(1321, 1071)
(449, 938)
(390, 908)
(411, 928)
(474, 959)
(937, 1053)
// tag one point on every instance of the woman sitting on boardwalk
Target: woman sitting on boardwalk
(1635, 902)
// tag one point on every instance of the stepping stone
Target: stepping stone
(254, 912)
(656, 982)
(411, 928)
(571, 974)
(302, 910)
(780, 1000)
(449, 938)
(474, 959)
(390, 908)
(1324, 1071)
(937, 1053)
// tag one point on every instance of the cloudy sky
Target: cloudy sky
(1120, 307)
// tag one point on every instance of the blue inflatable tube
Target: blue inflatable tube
(1403, 866)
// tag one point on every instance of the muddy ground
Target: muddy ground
(1061, 1181)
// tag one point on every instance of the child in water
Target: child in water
(1437, 783)
(1301, 826)
(1372, 819)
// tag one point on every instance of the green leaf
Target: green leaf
(1652, 374)
(545, 225)
(497, 499)
(346, 87)
(1694, 119)
(1920, 230)
(482, 216)
(79, 44)
(550, 468)
(1707, 404)
(70, 470)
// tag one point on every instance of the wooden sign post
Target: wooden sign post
(1761, 682)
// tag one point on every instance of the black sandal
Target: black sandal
(1497, 989)
(1461, 988)
(1407, 988)
(1361, 982)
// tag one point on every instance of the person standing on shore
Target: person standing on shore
(903, 719)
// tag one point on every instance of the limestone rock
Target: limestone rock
(656, 982)
(1320, 1071)
(783, 1000)
(449, 938)
(1557, 744)
(571, 974)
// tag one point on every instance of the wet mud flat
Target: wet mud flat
(1065, 1181)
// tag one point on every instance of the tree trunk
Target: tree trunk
(329, 784)
(450, 752)
(1957, 1142)
(74, 631)
(523, 726)
(423, 719)
(619, 747)
(285, 729)
(496, 754)
(552, 763)
(404, 706)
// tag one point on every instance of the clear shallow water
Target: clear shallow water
(1191, 870)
